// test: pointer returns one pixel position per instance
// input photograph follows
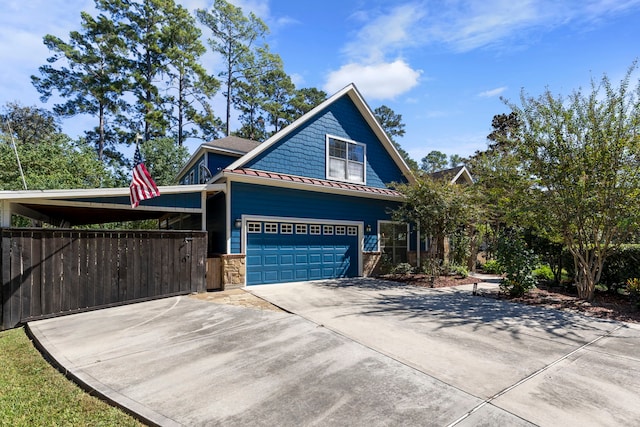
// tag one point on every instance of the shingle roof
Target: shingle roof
(233, 143)
(314, 181)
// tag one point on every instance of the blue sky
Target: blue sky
(443, 65)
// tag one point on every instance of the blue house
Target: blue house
(311, 202)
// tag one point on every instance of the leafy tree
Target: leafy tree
(278, 89)
(393, 126)
(437, 206)
(455, 160)
(29, 125)
(53, 162)
(581, 156)
(433, 161)
(234, 36)
(190, 86)
(305, 100)
(505, 129)
(163, 159)
(90, 79)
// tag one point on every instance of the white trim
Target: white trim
(468, 178)
(327, 157)
(228, 215)
(203, 209)
(103, 192)
(295, 220)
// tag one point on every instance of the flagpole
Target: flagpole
(15, 150)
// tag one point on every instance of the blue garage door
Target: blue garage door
(289, 252)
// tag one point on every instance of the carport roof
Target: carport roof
(101, 205)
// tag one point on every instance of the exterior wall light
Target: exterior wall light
(237, 223)
(368, 228)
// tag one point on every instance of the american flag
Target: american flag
(142, 185)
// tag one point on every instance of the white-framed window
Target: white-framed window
(352, 230)
(327, 230)
(191, 179)
(301, 228)
(254, 227)
(271, 228)
(315, 229)
(286, 228)
(345, 160)
(341, 230)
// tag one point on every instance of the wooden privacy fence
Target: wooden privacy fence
(48, 272)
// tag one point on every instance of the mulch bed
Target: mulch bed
(606, 305)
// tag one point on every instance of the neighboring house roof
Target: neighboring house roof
(318, 184)
(457, 175)
(233, 144)
(352, 92)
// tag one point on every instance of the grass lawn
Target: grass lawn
(33, 393)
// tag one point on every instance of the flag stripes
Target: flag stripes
(142, 185)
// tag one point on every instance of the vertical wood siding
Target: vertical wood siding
(52, 272)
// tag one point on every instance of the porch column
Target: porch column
(5, 214)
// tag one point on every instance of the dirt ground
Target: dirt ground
(605, 305)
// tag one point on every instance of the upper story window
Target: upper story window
(345, 160)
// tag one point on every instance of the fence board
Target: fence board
(51, 272)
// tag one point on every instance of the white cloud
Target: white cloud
(376, 81)
(492, 92)
(386, 33)
(468, 24)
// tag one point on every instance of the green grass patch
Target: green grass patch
(33, 393)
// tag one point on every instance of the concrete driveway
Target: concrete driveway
(357, 353)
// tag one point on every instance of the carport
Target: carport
(49, 271)
(64, 208)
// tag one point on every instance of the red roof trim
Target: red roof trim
(313, 181)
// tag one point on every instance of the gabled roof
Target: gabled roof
(454, 175)
(352, 92)
(233, 144)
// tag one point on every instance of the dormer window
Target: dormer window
(345, 160)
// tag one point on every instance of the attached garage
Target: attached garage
(289, 251)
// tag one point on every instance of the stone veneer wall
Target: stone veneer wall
(371, 263)
(234, 270)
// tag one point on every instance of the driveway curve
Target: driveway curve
(352, 352)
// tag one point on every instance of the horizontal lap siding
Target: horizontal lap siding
(51, 272)
(249, 199)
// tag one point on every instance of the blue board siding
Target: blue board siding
(303, 152)
(180, 200)
(249, 199)
(276, 258)
(217, 162)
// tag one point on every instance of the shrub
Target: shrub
(543, 274)
(432, 267)
(459, 270)
(402, 268)
(492, 266)
(633, 288)
(518, 261)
